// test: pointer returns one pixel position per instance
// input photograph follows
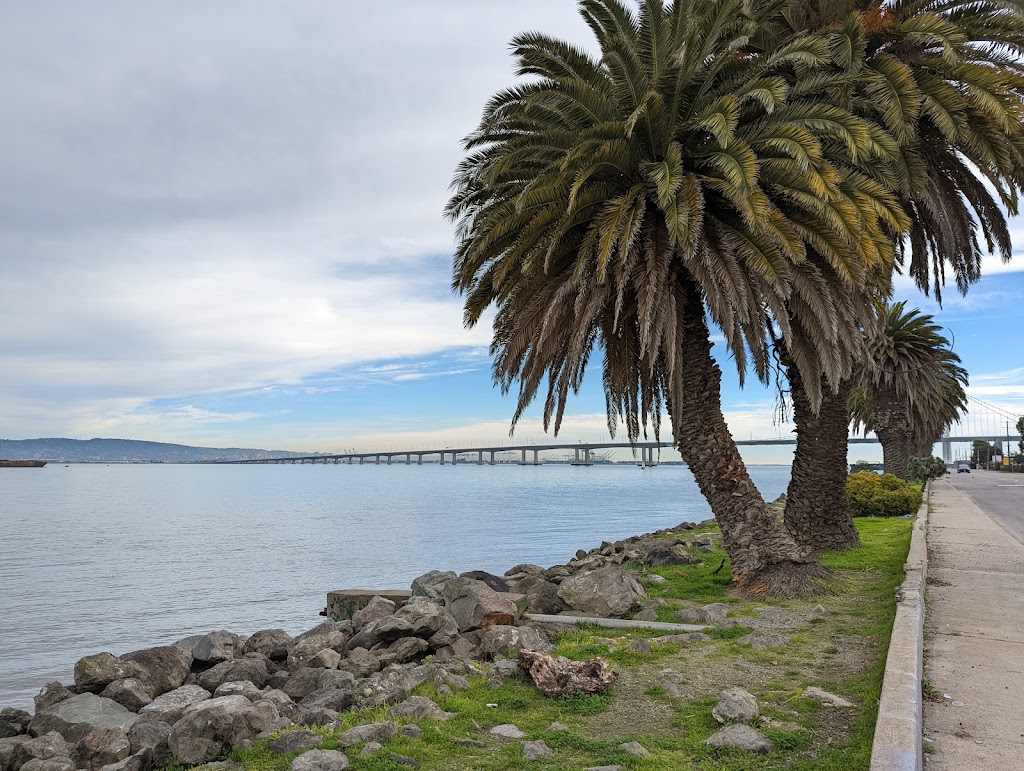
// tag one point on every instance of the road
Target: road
(1000, 495)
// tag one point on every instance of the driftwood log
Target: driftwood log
(557, 677)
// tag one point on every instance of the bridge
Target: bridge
(529, 454)
(981, 423)
(583, 453)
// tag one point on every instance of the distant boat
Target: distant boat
(22, 463)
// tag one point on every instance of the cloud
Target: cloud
(221, 197)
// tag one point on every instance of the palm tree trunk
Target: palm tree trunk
(892, 426)
(817, 513)
(765, 558)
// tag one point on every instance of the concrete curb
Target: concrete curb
(897, 745)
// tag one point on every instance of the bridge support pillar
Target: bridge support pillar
(493, 461)
(947, 450)
(536, 458)
(387, 460)
(419, 459)
(480, 458)
(442, 457)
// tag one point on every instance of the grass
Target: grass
(837, 642)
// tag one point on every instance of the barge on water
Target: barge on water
(22, 463)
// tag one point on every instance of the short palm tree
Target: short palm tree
(912, 387)
(623, 203)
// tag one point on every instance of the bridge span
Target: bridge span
(529, 454)
(582, 453)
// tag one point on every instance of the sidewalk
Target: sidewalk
(974, 638)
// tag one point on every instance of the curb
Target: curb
(897, 744)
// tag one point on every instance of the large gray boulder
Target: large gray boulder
(13, 722)
(238, 688)
(368, 732)
(434, 585)
(215, 647)
(320, 760)
(389, 686)
(304, 648)
(735, 705)
(608, 591)
(131, 693)
(713, 614)
(741, 737)
(8, 747)
(45, 747)
(212, 727)
(499, 640)
(252, 668)
(75, 717)
(420, 708)
(335, 678)
(59, 763)
(541, 595)
(295, 741)
(272, 643)
(160, 669)
(403, 650)
(497, 583)
(474, 604)
(431, 622)
(302, 683)
(360, 662)
(286, 708)
(323, 629)
(172, 705)
(101, 748)
(337, 699)
(376, 609)
(94, 673)
(151, 736)
(50, 694)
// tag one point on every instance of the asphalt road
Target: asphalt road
(1000, 495)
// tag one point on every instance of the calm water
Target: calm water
(115, 558)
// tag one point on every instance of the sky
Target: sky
(221, 224)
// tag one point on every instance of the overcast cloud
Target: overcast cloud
(235, 197)
(203, 196)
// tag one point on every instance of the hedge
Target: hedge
(881, 495)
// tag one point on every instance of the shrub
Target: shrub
(927, 468)
(881, 495)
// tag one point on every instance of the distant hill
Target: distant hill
(126, 451)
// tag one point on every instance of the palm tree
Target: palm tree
(624, 203)
(911, 389)
(943, 77)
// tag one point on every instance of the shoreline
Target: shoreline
(447, 635)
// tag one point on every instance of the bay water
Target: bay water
(119, 557)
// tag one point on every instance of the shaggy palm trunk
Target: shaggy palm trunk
(892, 426)
(766, 560)
(817, 513)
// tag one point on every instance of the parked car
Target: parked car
(963, 468)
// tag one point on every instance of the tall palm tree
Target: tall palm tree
(626, 202)
(911, 388)
(944, 78)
